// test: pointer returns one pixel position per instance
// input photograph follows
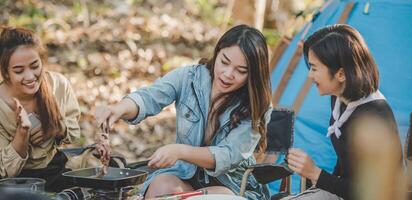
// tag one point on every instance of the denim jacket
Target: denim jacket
(190, 87)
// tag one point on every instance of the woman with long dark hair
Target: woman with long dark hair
(342, 66)
(38, 110)
(222, 105)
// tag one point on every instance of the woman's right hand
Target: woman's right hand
(21, 138)
(106, 116)
(23, 122)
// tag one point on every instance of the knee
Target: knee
(164, 184)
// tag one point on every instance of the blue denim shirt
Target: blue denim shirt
(190, 87)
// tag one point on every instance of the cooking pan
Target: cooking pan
(114, 179)
(141, 165)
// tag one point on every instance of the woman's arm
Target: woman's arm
(21, 138)
(20, 142)
(239, 144)
(13, 155)
(200, 156)
(144, 102)
(333, 184)
(126, 109)
(152, 99)
(11, 162)
(301, 163)
(167, 156)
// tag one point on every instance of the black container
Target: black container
(23, 184)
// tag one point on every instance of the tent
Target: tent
(386, 27)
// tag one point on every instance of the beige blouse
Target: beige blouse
(11, 163)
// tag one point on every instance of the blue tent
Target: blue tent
(386, 26)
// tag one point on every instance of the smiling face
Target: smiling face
(230, 70)
(325, 82)
(25, 68)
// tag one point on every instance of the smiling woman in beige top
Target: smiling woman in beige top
(38, 111)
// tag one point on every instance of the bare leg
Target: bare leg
(218, 190)
(166, 184)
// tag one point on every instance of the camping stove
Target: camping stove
(125, 193)
(77, 193)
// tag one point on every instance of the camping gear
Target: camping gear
(77, 193)
(115, 178)
(385, 26)
(279, 140)
(23, 184)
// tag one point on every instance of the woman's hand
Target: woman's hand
(106, 116)
(103, 148)
(23, 122)
(301, 163)
(21, 138)
(38, 137)
(166, 156)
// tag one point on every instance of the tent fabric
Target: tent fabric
(386, 29)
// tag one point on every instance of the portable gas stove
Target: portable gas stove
(117, 184)
(77, 193)
(124, 193)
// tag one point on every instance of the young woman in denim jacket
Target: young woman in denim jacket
(222, 110)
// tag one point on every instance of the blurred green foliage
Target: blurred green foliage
(208, 10)
(272, 36)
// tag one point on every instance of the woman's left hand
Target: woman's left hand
(165, 156)
(37, 137)
(301, 163)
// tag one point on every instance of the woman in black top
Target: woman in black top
(341, 65)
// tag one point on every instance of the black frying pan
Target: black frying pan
(141, 165)
(114, 179)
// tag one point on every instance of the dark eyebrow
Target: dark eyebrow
(230, 61)
(311, 64)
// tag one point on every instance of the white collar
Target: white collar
(339, 121)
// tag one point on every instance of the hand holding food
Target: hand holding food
(23, 122)
(103, 148)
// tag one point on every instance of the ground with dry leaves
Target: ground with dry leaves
(109, 48)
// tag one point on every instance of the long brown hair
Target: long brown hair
(341, 46)
(10, 40)
(253, 99)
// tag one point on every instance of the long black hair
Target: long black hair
(253, 99)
